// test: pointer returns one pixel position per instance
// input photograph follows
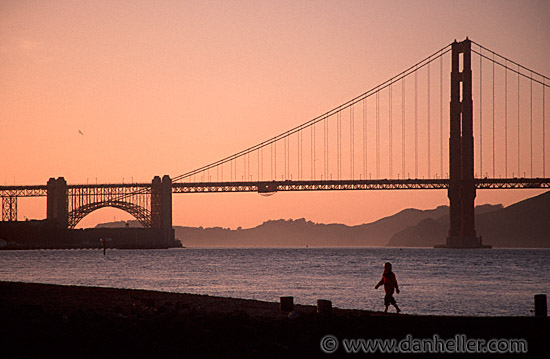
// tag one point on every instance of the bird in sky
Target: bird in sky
(81, 133)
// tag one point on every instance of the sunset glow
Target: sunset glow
(112, 92)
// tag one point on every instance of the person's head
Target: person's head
(387, 267)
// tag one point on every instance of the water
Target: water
(432, 281)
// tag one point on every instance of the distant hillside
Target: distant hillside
(119, 224)
(525, 224)
(299, 233)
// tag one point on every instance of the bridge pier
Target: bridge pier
(57, 202)
(161, 205)
(9, 208)
(462, 190)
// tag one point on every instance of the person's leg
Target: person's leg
(394, 303)
(387, 301)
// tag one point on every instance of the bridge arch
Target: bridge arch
(142, 215)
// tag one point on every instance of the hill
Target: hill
(301, 233)
(525, 224)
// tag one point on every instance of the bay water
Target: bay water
(469, 282)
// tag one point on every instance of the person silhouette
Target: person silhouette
(390, 284)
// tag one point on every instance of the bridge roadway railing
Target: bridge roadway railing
(23, 191)
(76, 190)
(122, 189)
(335, 185)
(511, 183)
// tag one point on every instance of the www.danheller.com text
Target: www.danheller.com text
(460, 343)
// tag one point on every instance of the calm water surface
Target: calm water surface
(432, 281)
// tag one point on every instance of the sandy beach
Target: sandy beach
(40, 320)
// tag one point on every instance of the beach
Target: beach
(42, 320)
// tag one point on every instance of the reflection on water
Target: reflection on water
(432, 281)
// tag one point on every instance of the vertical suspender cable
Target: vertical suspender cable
(311, 154)
(339, 143)
(480, 114)
(325, 149)
(428, 113)
(365, 138)
(352, 138)
(275, 162)
(403, 127)
(260, 167)
(390, 131)
(285, 143)
(288, 160)
(493, 79)
(505, 118)
(337, 174)
(377, 135)
(416, 123)
(284, 158)
(441, 114)
(519, 175)
(300, 155)
(531, 115)
(328, 145)
(543, 133)
(299, 152)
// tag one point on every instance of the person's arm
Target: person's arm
(379, 283)
(396, 286)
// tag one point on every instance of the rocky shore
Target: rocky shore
(40, 320)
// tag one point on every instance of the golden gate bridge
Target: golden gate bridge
(488, 118)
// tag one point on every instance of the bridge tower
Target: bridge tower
(57, 202)
(462, 191)
(161, 204)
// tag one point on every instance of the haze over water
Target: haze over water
(432, 281)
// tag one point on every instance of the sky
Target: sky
(113, 91)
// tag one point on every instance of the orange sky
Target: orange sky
(165, 87)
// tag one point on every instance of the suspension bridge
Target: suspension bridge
(402, 134)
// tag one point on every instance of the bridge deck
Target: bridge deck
(335, 185)
(281, 186)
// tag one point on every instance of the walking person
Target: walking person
(390, 284)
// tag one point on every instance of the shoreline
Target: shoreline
(109, 322)
(91, 248)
